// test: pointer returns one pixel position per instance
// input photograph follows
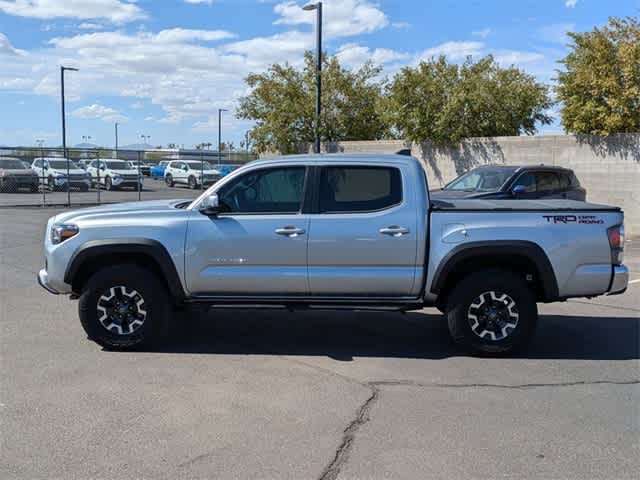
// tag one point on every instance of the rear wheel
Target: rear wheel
(123, 307)
(492, 312)
(108, 184)
(51, 184)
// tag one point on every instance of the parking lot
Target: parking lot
(275, 394)
(153, 189)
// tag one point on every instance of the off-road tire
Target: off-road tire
(156, 305)
(461, 305)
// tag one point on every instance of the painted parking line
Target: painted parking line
(634, 281)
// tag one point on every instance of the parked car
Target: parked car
(192, 173)
(226, 168)
(145, 169)
(157, 171)
(527, 182)
(15, 176)
(113, 174)
(53, 173)
(332, 231)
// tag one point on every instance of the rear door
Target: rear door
(362, 237)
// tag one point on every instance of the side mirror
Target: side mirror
(45, 167)
(102, 167)
(518, 190)
(210, 205)
(185, 168)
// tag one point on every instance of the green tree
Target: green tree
(282, 103)
(444, 102)
(600, 84)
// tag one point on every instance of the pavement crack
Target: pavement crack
(341, 456)
(410, 383)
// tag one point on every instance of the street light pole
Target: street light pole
(116, 139)
(64, 130)
(220, 110)
(318, 8)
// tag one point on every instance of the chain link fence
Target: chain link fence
(48, 177)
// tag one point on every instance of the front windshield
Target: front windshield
(12, 164)
(118, 165)
(199, 165)
(482, 180)
(62, 164)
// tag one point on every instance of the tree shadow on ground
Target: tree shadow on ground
(625, 146)
(345, 335)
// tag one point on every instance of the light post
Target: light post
(220, 110)
(318, 8)
(116, 139)
(64, 129)
(86, 138)
(144, 137)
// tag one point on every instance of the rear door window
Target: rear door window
(353, 189)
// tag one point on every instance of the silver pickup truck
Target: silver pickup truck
(332, 232)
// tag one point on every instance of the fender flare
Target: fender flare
(151, 248)
(502, 248)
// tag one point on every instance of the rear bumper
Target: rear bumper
(619, 280)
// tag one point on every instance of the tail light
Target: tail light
(616, 242)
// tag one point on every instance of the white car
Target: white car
(53, 173)
(111, 174)
(192, 173)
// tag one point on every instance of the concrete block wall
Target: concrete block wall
(608, 167)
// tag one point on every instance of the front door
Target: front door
(258, 245)
(363, 237)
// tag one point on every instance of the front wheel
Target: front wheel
(123, 307)
(193, 184)
(108, 184)
(492, 312)
(169, 180)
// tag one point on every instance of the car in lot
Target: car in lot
(144, 168)
(15, 176)
(192, 173)
(509, 182)
(332, 232)
(157, 171)
(113, 174)
(57, 173)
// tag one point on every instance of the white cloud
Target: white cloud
(7, 49)
(185, 35)
(570, 3)
(209, 2)
(516, 57)
(100, 112)
(116, 11)
(454, 51)
(137, 105)
(263, 51)
(353, 55)
(90, 26)
(341, 18)
(401, 25)
(484, 33)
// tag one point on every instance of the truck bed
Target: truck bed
(520, 205)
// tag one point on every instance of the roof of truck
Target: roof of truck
(340, 157)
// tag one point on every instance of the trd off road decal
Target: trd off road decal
(584, 219)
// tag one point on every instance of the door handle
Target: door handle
(394, 231)
(290, 231)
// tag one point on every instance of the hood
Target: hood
(17, 171)
(441, 194)
(63, 171)
(121, 172)
(121, 209)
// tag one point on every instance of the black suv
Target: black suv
(502, 182)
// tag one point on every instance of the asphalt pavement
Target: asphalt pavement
(319, 395)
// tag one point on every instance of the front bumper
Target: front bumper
(43, 278)
(619, 280)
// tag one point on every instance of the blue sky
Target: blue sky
(163, 67)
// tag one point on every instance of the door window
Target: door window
(269, 190)
(528, 181)
(353, 189)
(547, 181)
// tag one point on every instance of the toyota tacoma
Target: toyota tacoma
(332, 232)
